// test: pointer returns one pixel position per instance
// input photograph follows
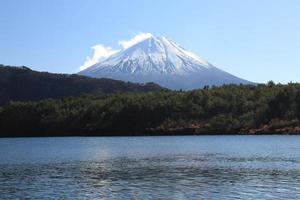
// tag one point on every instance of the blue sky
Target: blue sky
(258, 40)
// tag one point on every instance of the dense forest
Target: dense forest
(230, 109)
(24, 84)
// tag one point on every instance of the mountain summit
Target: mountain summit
(160, 60)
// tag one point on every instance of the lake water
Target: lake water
(189, 167)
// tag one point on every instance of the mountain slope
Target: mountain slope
(157, 59)
(23, 84)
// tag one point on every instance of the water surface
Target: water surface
(178, 167)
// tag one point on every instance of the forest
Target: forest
(230, 109)
(24, 84)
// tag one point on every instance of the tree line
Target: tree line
(230, 109)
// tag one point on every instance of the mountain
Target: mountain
(160, 60)
(24, 84)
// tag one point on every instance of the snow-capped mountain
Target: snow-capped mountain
(160, 60)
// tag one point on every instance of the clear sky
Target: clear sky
(258, 40)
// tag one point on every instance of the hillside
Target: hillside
(24, 84)
(230, 109)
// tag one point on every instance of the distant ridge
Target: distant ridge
(24, 84)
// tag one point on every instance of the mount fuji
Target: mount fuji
(160, 60)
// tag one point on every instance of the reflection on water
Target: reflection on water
(220, 167)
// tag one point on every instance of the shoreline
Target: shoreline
(153, 135)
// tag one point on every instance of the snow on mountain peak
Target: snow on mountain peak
(148, 53)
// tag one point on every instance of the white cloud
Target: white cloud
(100, 53)
(136, 39)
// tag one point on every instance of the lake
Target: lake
(175, 167)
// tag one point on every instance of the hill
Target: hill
(24, 84)
(230, 109)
